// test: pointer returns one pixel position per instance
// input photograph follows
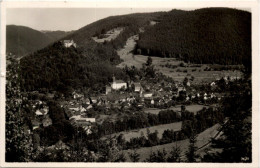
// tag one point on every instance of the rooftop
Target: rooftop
(119, 81)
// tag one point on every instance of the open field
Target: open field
(110, 35)
(202, 139)
(191, 108)
(160, 128)
(130, 59)
(102, 117)
(178, 73)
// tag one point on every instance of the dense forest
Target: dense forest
(209, 35)
(57, 68)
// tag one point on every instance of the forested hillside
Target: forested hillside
(213, 35)
(210, 35)
(131, 24)
(90, 65)
(57, 68)
(21, 40)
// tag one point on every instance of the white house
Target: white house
(80, 119)
(69, 43)
(138, 87)
(148, 94)
(118, 84)
(212, 84)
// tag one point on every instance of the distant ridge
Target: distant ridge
(22, 40)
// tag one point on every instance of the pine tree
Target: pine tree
(235, 144)
(191, 153)
(134, 156)
(175, 154)
(149, 61)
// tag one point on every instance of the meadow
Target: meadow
(160, 128)
(194, 108)
(202, 138)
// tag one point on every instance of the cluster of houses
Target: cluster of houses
(143, 93)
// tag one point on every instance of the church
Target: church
(116, 85)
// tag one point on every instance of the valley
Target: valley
(145, 87)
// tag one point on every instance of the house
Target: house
(46, 121)
(212, 84)
(138, 87)
(93, 100)
(80, 119)
(77, 95)
(148, 94)
(118, 84)
(108, 89)
(69, 43)
(39, 112)
(35, 124)
(75, 117)
(82, 109)
(89, 107)
(90, 120)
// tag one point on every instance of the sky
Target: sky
(65, 19)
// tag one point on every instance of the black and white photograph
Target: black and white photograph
(128, 84)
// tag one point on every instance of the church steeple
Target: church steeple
(114, 78)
